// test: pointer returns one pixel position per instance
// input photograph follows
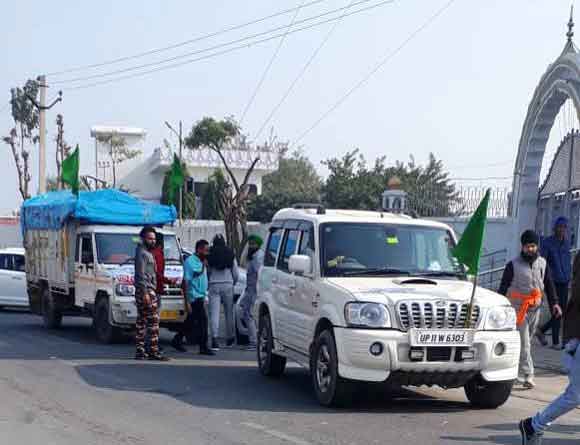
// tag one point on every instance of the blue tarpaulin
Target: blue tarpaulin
(50, 211)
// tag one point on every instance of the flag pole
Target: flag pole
(470, 307)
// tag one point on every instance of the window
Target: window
(119, 248)
(87, 250)
(189, 185)
(272, 249)
(290, 244)
(18, 263)
(307, 243)
(5, 263)
(253, 190)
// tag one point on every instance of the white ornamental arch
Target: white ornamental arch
(560, 83)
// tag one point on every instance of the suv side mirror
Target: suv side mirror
(300, 264)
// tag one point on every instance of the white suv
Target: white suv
(374, 297)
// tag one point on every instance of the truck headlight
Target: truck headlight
(125, 290)
(501, 318)
(371, 315)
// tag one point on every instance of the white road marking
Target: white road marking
(274, 433)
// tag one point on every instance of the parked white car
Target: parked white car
(13, 278)
(374, 297)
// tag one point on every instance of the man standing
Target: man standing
(526, 279)
(146, 298)
(195, 285)
(532, 429)
(255, 260)
(556, 251)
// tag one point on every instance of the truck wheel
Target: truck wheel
(51, 317)
(106, 333)
(330, 388)
(270, 364)
(489, 395)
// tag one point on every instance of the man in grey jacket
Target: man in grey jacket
(255, 261)
(146, 298)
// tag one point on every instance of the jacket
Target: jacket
(160, 268)
(145, 271)
(572, 314)
(252, 271)
(195, 278)
(224, 276)
(557, 254)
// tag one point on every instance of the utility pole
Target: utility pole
(180, 136)
(42, 107)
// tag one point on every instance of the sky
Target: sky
(459, 88)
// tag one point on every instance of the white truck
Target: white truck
(76, 267)
(375, 297)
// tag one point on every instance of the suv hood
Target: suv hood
(392, 290)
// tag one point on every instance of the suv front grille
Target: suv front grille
(438, 315)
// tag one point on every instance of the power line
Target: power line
(303, 71)
(183, 43)
(204, 50)
(367, 77)
(219, 53)
(269, 65)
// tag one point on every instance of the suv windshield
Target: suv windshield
(381, 249)
(119, 248)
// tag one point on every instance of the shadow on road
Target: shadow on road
(226, 386)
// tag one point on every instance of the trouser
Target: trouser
(199, 323)
(147, 322)
(147, 338)
(247, 306)
(569, 400)
(221, 293)
(555, 323)
(527, 330)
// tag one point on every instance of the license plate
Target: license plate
(441, 337)
(168, 315)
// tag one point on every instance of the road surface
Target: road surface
(61, 387)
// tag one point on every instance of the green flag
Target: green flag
(176, 178)
(70, 171)
(468, 250)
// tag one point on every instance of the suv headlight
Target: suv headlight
(500, 318)
(372, 315)
(125, 290)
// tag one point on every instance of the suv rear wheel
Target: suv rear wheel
(271, 364)
(489, 395)
(330, 388)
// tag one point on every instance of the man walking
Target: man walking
(532, 428)
(526, 279)
(195, 285)
(556, 250)
(255, 260)
(146, 298)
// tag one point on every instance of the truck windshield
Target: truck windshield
(381, 249)
(119, 248)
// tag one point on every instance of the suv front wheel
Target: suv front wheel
(490, 395)
(330, 388)
(271, 364)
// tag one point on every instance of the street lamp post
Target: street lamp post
(180, 137)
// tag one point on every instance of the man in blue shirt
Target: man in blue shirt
(556, 250)
(195, 289)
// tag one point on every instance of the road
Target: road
(61, 387)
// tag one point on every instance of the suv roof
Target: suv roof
(355, 216)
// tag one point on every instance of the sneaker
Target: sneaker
(158, 358)
(215, 346)
(529, 383)
(529, 436)
(541, 338)
(230, 343)
(520, 381)
(141, 356)
(178, 346)
(206, 352)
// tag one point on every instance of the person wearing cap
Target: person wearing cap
(525, 281)
(255, 260)
(556, 250)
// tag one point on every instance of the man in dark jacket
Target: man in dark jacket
(146, 297)
(532, 428)
(556, 250)
(526, 279)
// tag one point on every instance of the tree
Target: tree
(62, 149)
(295, 181)
(118, 151)
(24, 134)
(216, 185)
(188, 198)
(221, 137)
